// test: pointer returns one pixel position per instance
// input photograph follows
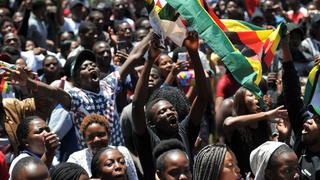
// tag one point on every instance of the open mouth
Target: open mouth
(94, 76)
(172, 120)
(305, 129)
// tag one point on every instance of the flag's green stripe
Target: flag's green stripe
(191, 11)
(208, 30)
(242, 71)
(251, 26)
(168, 13)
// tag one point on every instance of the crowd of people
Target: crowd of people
(89, 90)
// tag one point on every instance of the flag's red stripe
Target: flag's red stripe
(251, 40)
(213, 16)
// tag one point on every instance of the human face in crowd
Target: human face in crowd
(120, 8)
(103, 53)
(35, 141)
(97, 18)
(232, 8)
(21, 63)
(230, 169)
(268, 7)
(6, 28)
(78, 12)
(51, 66)
(125, 31)
(165, 64)
(41, 13)
(176, 167)
(145, 24)
(89, 76)
(140, 34)
(286, 167)
(112, 165)
(89, 38)
(34, 171)
(251, 102)
(11, 39)
(166, 117)
(96, 137)
(30, 45)
(311, 131)
(154, 79)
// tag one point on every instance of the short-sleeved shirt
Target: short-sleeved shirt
(227, 86)
(103, 103)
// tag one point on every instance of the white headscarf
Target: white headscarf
(260, 156)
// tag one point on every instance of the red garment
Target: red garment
(226, 86)
(4, 171)
(251, 6)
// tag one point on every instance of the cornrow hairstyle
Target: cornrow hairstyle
(67, 171)
(176, 97)
(164, 148)
(209, 162)
(23, 130)
(95, 169)
(94, 118)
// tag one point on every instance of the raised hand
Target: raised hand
(179, 66)
(15, 77)
(192, 41)
(154, 47)
(276, 114)
(51, 142)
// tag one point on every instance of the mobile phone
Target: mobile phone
(121, 46)
(182, 56)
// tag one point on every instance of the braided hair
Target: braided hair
(67, 171)
(209, 162)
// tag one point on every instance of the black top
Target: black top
(245, 140)
(146, 143)
(309, 162)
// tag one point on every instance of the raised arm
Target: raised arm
(201, 101)
(136, 54)
(60, 16)
(42, 90)
(232, 123)
(292, 89)
(141, 92)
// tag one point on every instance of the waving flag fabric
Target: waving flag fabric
(166, 21)
(312, 92)
(241, 45)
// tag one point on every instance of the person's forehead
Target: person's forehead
(87, 61)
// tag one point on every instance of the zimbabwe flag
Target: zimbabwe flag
(240, 45)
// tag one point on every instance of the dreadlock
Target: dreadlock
(67, 171)
(209, 162)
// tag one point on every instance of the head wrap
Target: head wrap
(260, 156)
